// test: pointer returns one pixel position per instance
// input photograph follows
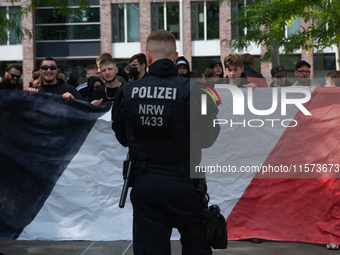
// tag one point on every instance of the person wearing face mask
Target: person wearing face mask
(138, 66)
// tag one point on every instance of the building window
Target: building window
(165, 16)
(294, 27)
(12, 13)
(51, 26)
(204, 21)
(235, 8)
(323, 63)
(125, 14)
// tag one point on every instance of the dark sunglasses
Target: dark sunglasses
(45, 68)
(35, 77)
(15, 76)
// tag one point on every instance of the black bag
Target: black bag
(210, 228)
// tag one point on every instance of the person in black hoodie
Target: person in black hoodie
(216, 65)
(93, 83)
(152, 116)
(183, 67)
(51, 84)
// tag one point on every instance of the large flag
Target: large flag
(282, 178)
(61, 170)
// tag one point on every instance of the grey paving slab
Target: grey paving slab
(14, 247)
(273, 248)
(108, 248)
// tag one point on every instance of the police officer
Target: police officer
(152, 117)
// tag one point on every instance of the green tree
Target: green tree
(267, 20)
(12, 21)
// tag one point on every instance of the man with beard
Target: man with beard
(51, 84)
(11, 77)
(107, 93)
(302, 72)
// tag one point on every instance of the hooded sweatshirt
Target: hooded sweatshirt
(183, 61)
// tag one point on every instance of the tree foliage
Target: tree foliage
(266, 21)
(11, 22)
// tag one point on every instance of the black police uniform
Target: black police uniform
(152, 117)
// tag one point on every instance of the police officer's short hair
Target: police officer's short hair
(161, 35)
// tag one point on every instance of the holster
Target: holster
(209, 227)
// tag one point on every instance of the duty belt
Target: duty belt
(180, 173)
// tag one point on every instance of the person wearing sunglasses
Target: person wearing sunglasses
(11, 77)
(302, 72)
(51, 84)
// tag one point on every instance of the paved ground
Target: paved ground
(14, 247)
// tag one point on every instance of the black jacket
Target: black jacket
(169, 142)
(60, 88)
(248, 71)
(286, 84)
(4, 85)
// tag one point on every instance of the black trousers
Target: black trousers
(158, 206)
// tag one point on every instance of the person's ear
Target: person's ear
(149, 57)
(176, 55)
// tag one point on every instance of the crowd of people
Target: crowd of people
(101, 84)
(106, 77)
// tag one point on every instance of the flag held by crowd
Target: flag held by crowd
(60, 170)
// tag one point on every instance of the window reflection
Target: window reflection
(75, 32)
(56, 32)
(118, 23)
(172, 17)
(48, 16)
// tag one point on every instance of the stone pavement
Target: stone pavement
(15, 247)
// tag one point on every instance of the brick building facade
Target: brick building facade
(81, 52)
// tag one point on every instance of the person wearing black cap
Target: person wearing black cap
(279, 76)
(216, 65)
(183, 67)
(302, 72)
